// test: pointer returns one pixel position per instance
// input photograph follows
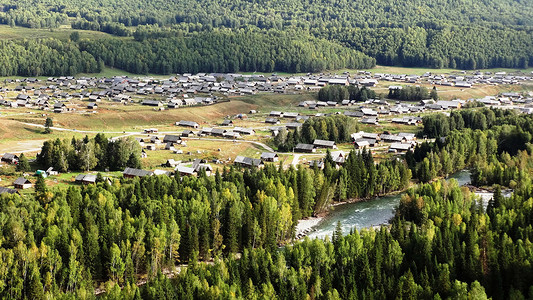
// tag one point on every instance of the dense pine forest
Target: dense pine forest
(199, 36)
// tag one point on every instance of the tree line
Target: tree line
(321, 15)
(45, 57)
(338, 93)
(413, 93)
(88, 154)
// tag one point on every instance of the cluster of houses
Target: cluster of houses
(234, 133)
(177, 91)
(461, 80)
(401, 142)
(317, 144)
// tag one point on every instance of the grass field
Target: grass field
(202, 149)
(62, 33)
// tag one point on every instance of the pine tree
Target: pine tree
(47, 124)
(23, 165)
(133, 161)
(433, 94)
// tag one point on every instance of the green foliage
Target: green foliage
(441, 243)
(89, 154)
(337, 93)
(227, 51)
(411, 93)
(23, 165)
(47, 124)
(333, 128)
(44, 57)
(75, 36)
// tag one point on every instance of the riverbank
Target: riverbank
(306, 226)
(359, 213)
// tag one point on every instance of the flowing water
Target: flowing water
(368, 213)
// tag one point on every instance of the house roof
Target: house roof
(268, 155)
(293, 125)
(7, 190)
(136, 172)
(301, 146)
(324, 143)
(9, 156)
(171, 138)
(243, 130)
(319, 163)
(218, 131)
(21, 181)
(271, 120)
(86, 178)
(188, 123)
(362, 143)
(400, 146)
(151, 102)
(184, 170)
(356, 114)
(248, 161)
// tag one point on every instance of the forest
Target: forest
(45, 57)
(227, 51)
(87, 154)
(61, 241)
(442, 244)
(328, 35)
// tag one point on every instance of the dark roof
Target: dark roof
(356, 114)
(9, 156)
(248, 161)
(151, 102)
(188, 123)
(7, 190)
(301, 146)
(218, 131)
(171, 138)
(137, 172)
(293, 125)
(319, 163)
(271, 120)
(21, 181)
(268, 155)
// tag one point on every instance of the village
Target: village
(55, 94)
(242, 139)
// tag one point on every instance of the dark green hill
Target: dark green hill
(435, 33)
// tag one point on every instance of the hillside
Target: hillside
(435, 34)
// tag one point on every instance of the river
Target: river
(368, 213)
